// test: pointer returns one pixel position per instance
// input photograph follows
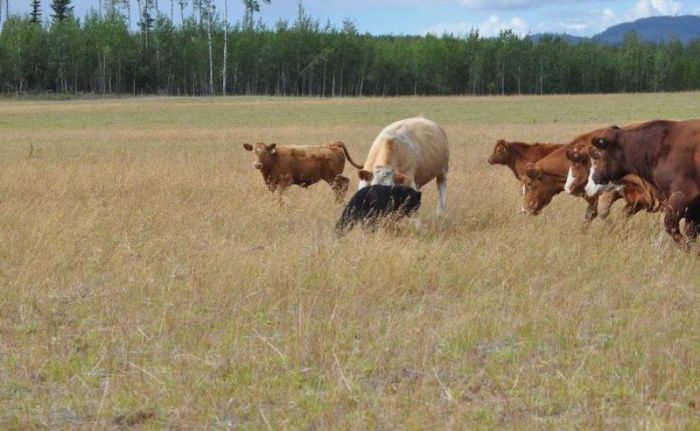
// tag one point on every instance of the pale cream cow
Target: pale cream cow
(409, 152)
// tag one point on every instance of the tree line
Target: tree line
(203, 54)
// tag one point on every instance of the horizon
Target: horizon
(457, 17)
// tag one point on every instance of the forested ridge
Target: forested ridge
(203, 54)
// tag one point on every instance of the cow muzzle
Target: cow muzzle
(257, 165)
(530, 209)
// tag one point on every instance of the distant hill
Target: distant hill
(655, 29)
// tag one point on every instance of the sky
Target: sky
(418, 17)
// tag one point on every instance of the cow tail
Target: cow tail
(347, 156)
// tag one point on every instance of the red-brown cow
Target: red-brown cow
(663, 153)
(638, 194)
(282, 166)
(516, 155)
(546, 178)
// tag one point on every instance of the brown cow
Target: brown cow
(663, 153)
(516, 155)
(282, 166)
(546, 178)
(638, 194)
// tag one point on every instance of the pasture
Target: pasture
(149, 279)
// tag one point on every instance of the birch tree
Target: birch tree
(225, 65)
(209, 10)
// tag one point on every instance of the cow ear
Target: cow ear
(365, 175)
(248, 147)
(575, 156)
(401, 179)
(571, 154)
(272, 148)
(593, 153)
(533, 172)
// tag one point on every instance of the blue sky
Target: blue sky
(578, 17)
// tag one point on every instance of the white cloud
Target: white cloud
(495, 25)
(497, 4)
(647, 8)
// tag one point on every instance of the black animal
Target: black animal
(373, 203)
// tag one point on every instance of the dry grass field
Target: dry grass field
(149, 280)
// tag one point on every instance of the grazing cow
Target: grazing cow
(546, 178)
(373, 203)
(516, 155)
(638, 194)
(282, 166)
(663, 153)
(409, 152)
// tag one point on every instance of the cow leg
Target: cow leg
(605, 201)
(340, 185)
(692, 222)
(592, 210)
(675, 210)
(277, 189)
(442, 193)
(631, 209)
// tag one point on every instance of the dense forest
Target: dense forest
(204, 54)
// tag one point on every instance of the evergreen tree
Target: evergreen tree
(62, 9)
(35, 13)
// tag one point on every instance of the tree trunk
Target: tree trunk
(211, 62)
(223, 69)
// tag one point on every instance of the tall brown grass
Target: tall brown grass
(147, 277)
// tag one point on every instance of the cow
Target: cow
(376, 202)
(663, 153)
(516, 155)
(409, 152)
(638, 194)
(546, 178)
(283, 166)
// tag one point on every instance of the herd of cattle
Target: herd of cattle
(653, 166)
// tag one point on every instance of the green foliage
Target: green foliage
(302, 57)
(62, 9)
(35, 13)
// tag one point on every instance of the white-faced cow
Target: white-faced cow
(410, 152)
(664, 153)
(283, 166)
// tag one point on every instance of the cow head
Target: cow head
(539, 187)
(262, 154)
(580, 165)
(499, 155)
(607, 161)
(384, 175)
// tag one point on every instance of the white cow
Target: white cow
(409, 152)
